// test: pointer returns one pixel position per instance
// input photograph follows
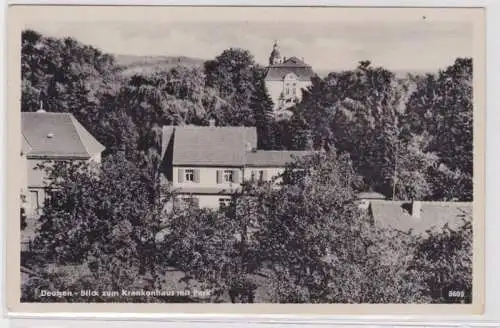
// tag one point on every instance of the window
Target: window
(182, 203)
(224, 202)
(227, 176)
(294, 89)
(261, 175)
(33, 202)
(253, 175)
(189, 175)
(49, 196)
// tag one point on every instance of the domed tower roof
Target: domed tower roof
(275, 57)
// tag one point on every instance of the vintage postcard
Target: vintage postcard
(253, 160)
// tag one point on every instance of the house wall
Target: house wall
(210, 201)
(207, 177)
(36, 182)
(36, 177)
(96, 158)
(24, 173)
(276, 88)
(270, 172)
(204, 201)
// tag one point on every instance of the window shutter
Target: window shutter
(264, 175)
(236, 176)
(181, 175)
(197, 175)
(219, 176)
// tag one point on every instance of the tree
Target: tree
(443, 260)
(442, 105)
(413, 167)
(206, 245)
(358, 112)
(232, 74)
(262, 107)
(102, 217)
(318, 247)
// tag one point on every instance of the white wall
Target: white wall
(204, 201)
(270, 172)
(275, 88)
(36, 181)
(208, 177)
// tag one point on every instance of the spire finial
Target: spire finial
(41, 97)
(41, 110)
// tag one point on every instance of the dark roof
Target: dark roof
(279, 72)
(271, 158)
(294, 61)
(57, 135)
(294, 65)
(210, 146)
(397, 215)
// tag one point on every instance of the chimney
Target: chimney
(416, 208)
(211, 122)
(248, 146)
(41, 110)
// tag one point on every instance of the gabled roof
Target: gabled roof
(294, 65)
(209, 146)
(57, 135)
(397, 215)
(272, 158)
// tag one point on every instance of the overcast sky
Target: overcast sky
(417, 45)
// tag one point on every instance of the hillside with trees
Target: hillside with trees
(409, 138)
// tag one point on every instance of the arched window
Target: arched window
(290, 85)
(287, 89)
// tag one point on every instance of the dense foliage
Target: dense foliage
(408, 138)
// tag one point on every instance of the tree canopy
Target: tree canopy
(409, 138)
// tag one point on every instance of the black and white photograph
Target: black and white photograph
(273, 155)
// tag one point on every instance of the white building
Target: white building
(286, 78)
(48, 136)
(207, 164)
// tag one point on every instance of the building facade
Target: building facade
(286, 78)
(205, 165)
(48, 137)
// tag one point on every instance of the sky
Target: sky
(410, 46)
